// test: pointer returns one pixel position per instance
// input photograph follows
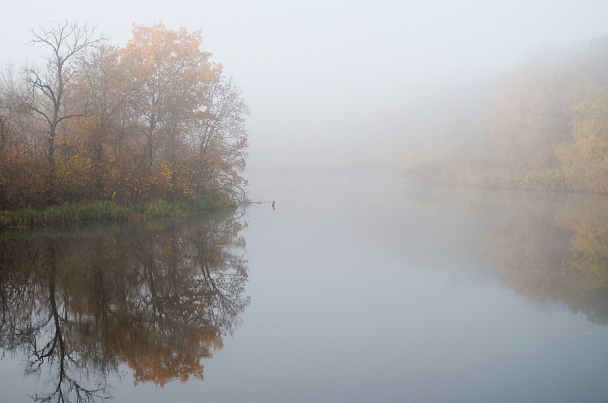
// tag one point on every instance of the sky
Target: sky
(335, 85)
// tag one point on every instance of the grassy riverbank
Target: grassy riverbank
(70, 213)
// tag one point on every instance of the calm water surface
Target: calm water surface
(350, 289)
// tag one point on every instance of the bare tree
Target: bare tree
(50, 85)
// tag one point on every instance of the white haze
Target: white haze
(340, 86)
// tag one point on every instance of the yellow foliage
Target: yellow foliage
(153, 119)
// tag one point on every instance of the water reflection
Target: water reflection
(157, 297)
(547, 247)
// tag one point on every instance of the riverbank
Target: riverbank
(71, 213)
(492, 173)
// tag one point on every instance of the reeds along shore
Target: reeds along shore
(71, 213)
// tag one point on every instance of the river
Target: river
(354, 289)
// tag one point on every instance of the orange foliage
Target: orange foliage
(153, 119)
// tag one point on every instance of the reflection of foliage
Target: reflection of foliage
(547, 247)
(159, 300)
(586, 268)
(588, 262)
(557, 254)
(528, 254)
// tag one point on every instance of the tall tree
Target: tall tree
(51, 85)
(221, 138)
(19, 148)
(170, 72)
(188, 116)
(528, 120)
(155, 118)
(107, 91)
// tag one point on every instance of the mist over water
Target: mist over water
(358, 289)
(347, 87)
(343, 280)
(383, 291)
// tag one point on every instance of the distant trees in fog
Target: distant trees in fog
(547, 129)
(155, 118)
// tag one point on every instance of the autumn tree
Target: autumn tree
(153, 119)
(21, 166)
(584, 153)
(585, 157)
(106, 88)
(548, 130)
(51, 86)
(221, 138)
(528, 119)
(169, 72)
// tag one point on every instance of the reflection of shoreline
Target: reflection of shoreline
(157, 296)
(96, 229)
(545, 246)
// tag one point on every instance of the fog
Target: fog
(343, 86)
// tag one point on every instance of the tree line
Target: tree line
(155, 118)
(546, 128)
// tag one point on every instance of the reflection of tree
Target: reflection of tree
(547, 247)
(559, 255)
(587, 264)
(586, 268)
(48, 340)
(528, 253)
(159, 300)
